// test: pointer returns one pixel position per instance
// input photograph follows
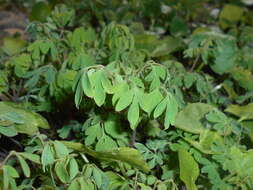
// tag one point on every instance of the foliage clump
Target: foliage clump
(136, 95)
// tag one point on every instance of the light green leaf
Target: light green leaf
(99, 93)
(12, 172)
(106, 83)
(24, 165)
(171, 111)
(74, 185)
(105, 143)
(31, 119)
(244, 112)
(86, 85)
(6, 177)
(243, 77)
(151, 100)
(78, 95)
(133, 113)
(47, 156)
(125, 100)
(61, 171)
(160, 108)
(189, 118)
(83, 60)
(118, 90)
(92, 133)
(124, 154)
(97, 177)
(32, 157)
(73, 168)
(60, 149)
(22, 64)
(8, 131)
(189, 170)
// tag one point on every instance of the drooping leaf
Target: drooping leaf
(151, 100)
(105, 143)
(61, 171)
(244, 112)
(47, 156)
(189, 170)
(133, 113)
(124, 154)
(125, 100)
(189, 119)
(31, 120)
(60, 149)
(160, 108)
(8, 131)
(32, 157)
(24, 165)
(73, 168)
(74, 185)
(99, 93)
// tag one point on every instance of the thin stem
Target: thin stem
(194, 63)
(7, 158)
(133, 139)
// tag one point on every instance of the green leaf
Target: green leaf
(243, 77)
(22, 64)
(189, 170)
(50, 75)
(113, 128)
(124, 154)
(31, 119)
(189, 79)
(178, 26)
(151, 100)
(230, 14)
(106, 83)
(160, 108)
(105, 143)
(99, 93)
(189, 119)
(12, 45)
(125, 100)
(226, 52)
(133, 113)
(244, 112)
(83, 60)
(47, 156)
(73, 168)
(8, 131)
(171, 111)
(6, 177)
(24, 165)
(60, 149)
(86, 85)
(61, 171)
(40, 11)
(78, 95)
(119, 90)
(32, 157)
(13, 117)
(65, 79)
(92, 133)
(12, 172)
(74, 185)
(97, 177)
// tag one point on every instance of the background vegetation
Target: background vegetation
(127, 95)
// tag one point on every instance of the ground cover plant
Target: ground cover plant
(128, 95)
